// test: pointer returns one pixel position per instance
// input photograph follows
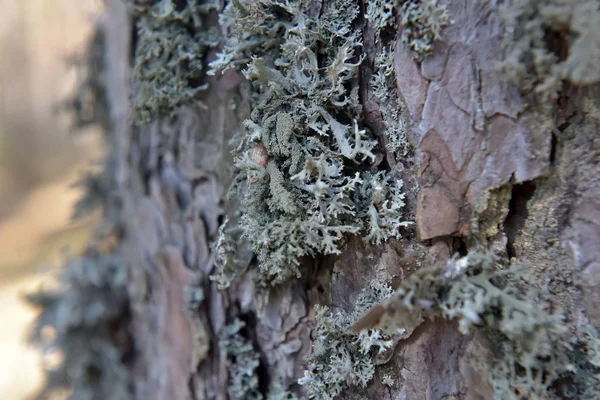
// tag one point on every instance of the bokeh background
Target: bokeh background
(41, 158)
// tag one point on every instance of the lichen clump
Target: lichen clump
(394, 112)
(341, 359)
(244, 364)
(172, 39)
(243, 377)
(423, 23)
(82, 328)
(537, 346)
(304, 161)
(77, 328)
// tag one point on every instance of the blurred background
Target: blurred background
(41, 158)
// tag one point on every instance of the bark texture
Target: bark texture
(487, 168)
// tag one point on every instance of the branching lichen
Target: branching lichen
(83, 353)
(243, 377)
(304, 153)
(393, 110)
(422, 24)
(341, 359)
(172, 40)
(537, 347)
(224, 250)
(243, 370)
(88, 103)
(83, 325)
(381, 13)
(423, 21)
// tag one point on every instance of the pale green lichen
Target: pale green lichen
(302, 182)
(381, 13)
(243, 368)
(243, 377)
(88, 104)
(82, 326)
(393, 110)
(172, 39)
(549, 41)
(341, 359)
(387, 380)
(538, 348)
(423, 22)
(224, 251)
(83, 354)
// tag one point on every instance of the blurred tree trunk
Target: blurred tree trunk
(488, 171)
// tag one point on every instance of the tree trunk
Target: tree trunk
(491, 166)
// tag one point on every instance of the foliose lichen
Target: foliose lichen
(302, 160)
(341, 359)
(83, 320)
(172, 40)
(538, 347)
(550, 41)
(387, 380)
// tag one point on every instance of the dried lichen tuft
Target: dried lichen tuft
(302, 161)
(171, 43)
(340, 358)
(77, 327)
(423, 22)
(82, 327)
(393, 111)
(538, 348)
(243, 370)
(243, 378)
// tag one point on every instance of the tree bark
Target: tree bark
(486, 169)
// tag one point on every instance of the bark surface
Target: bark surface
(485, 167)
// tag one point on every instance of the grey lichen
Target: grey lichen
(194, 297)
(244, 363)
(381, 13)
(83, 325)
(302, 180)
(88, 104)
(423, 22)
(549, 41)
(84, 318)
(243, 376)
(172, 39)
(341, 359)
(224, 251)
(387, 380)
(537, 345)
(393, 110)
(83, 354)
